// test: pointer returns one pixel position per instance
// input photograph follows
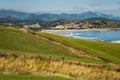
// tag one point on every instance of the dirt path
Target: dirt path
(73, 51)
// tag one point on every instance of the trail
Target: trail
(72, 50)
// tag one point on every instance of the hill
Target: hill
(21, 42)
(41, 54)
(91, 47)
(12, 13)
(52, 17)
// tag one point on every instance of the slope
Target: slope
(106, 51)
(20, 41)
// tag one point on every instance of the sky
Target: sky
(60, 6)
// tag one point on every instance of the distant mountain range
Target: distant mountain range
(17, 15)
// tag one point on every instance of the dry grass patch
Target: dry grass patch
(29, 65)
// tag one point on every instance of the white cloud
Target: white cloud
(115, 12)
(96, 5)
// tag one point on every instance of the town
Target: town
(65, 24)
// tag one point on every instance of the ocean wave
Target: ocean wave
(75, 35)
(117, 41)
(81, 37)
(88, 38)
(78, 34)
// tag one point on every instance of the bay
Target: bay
(107, 36)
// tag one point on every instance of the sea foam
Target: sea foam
(117, 41)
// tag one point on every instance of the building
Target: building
(86, 26)
(69, 26)
(37, 25)
(9, 24)
(59, 27)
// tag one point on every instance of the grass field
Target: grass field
(16, 40)
(23, 77)
(13, 40)
(21, 42)
(107, 51)
(24, 53)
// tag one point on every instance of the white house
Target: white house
(37, 25)
(59, 27)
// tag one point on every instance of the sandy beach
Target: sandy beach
(74, 30)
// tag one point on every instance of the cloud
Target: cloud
(79, 9)
(115, 12)
(96, 4)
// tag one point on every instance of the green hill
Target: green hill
(106, 51)
(41, 54)
(19, 41)
(22, 42)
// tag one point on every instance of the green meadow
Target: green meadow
(106, 51)
(36, 52)
(16, 41)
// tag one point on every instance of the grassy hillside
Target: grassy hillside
(13, 40)
(42, 54)
(107, 51)
(21, 42)
(16, 40)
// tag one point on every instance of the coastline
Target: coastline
(75, 30)
(58, 32)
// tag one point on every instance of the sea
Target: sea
(106, 36)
